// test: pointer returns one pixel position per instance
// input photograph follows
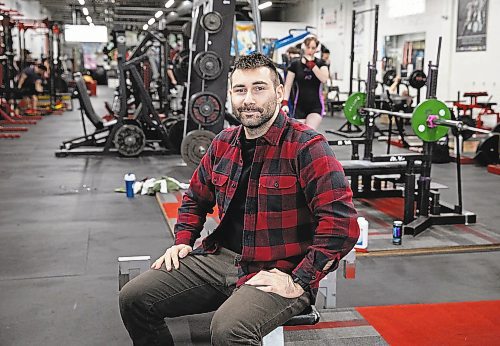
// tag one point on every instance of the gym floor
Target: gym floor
(62, 228)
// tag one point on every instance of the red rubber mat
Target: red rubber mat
(467, 323)
(495, 169)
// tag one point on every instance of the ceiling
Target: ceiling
(135, 13)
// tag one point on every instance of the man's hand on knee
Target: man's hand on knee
(172, 256)
(276, 281)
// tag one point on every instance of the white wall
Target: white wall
(464, 71)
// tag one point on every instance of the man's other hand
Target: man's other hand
(172, 256)
(276, 281)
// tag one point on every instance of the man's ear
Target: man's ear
(280, 91)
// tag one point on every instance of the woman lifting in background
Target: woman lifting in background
(307, 73)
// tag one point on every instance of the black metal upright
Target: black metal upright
(371, 85)
(351, 68)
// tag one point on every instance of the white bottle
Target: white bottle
(363, 234)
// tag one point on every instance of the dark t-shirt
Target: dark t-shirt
(230, 231)
(31, 78)
(308, 85)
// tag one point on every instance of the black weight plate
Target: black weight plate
(205, 108)
(195, 145)
(211, 22)
(496, 129)
(129, 140)
(208, 65)
(417, 79)
(389, 77)
(487, 151)
(176, 134)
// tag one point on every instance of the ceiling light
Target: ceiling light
(88, 19)
(145, 27)
(158, 14)
(265, 5)
(151, 21)
(85, 11)
(169, 3)
(82, 2)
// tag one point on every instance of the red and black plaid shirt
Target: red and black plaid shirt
(299, 215)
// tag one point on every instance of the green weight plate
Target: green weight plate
(352, 106)
(419, 120)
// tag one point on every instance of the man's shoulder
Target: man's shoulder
(227, 134)
(299, 132)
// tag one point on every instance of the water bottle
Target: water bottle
(363, 233)
(129, 184)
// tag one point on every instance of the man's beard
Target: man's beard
(255, 121)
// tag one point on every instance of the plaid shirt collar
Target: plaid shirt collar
(272, 136)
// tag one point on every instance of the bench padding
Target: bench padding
(309, 316)
(86, 104)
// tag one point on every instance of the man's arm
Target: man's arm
(38, 86)
(329, 196)
(20, 83)
(197, 202)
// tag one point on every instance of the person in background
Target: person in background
(286, 219)
(292, 54)
(308, 74)
(325, 56)
(30, 83)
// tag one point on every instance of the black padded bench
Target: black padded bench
(367, 169)
(309, 316)
(85, 103)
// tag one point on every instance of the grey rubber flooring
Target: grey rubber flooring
(62, 229)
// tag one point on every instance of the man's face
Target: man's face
(254, 97)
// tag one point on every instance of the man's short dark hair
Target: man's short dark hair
(256, 60)
(42, 67)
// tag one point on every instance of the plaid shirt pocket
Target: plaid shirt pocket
(220, 182)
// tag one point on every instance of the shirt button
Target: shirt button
(233, 185)
(276, 184)
(313, 277)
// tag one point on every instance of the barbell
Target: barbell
(430, 120)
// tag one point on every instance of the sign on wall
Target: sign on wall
(471, 25)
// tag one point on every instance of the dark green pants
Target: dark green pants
(203, 283)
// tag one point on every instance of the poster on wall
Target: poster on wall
(471, 25)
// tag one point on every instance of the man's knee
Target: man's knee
(226, 330)
(132, 299)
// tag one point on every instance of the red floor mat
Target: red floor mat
(468, 323)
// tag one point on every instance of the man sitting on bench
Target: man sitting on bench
(287, 218)
(30, 83)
